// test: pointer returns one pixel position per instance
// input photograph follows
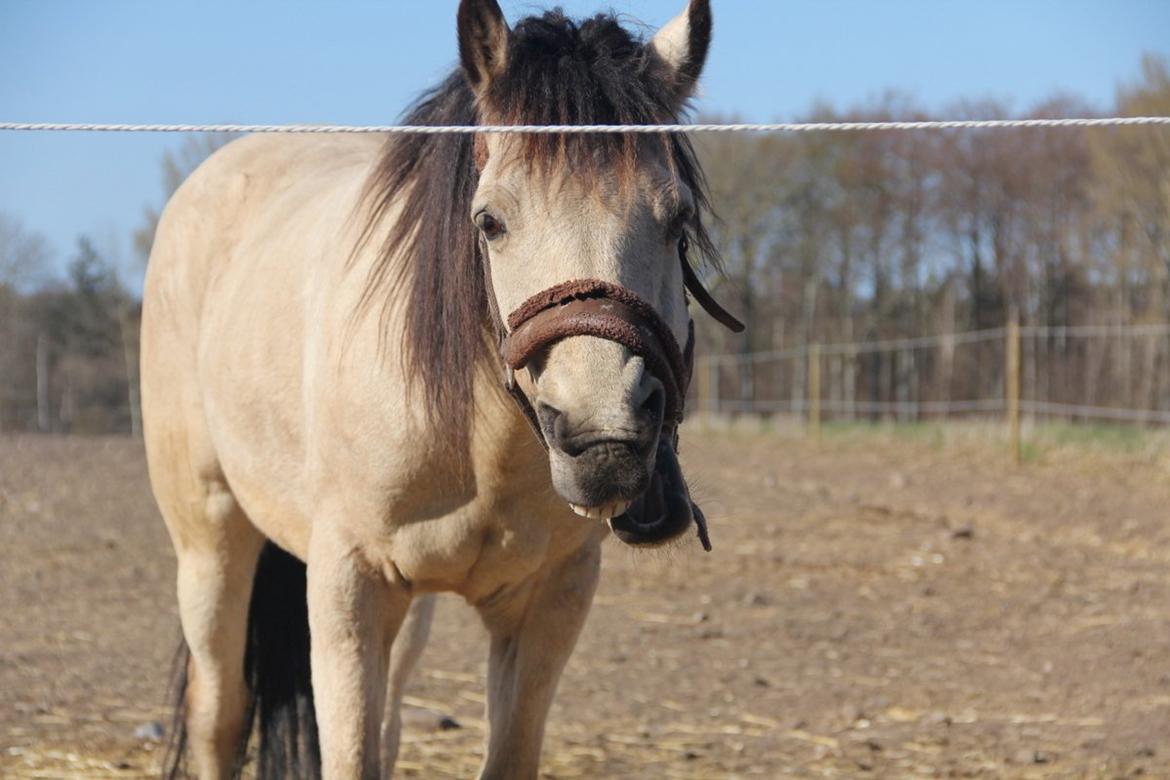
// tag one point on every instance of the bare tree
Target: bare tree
(24, 259)
(24, 255)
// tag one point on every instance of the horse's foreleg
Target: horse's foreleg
(533, 632)
(407, 649)
(354, 614)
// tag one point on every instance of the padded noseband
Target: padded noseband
(591, 307)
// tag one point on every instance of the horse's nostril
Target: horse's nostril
(551, 421)
(655, 404)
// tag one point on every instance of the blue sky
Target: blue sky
(361, 62)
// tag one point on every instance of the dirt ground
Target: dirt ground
(876, 606)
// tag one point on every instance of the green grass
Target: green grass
(1118, 438)
(1030, 452)
(1041, 438)
(931, 431)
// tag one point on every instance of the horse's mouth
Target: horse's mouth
(659, 512)
(663, 512)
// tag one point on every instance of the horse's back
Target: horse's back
(237, 256)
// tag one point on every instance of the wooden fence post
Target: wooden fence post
(814, 391)
(715, 379)
(44, 423)
(702, 367)
(1012, 389)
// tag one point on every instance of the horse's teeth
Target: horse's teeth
(607, 512)
(616, 509)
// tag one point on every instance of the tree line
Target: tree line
(847, 237)
(826, 237)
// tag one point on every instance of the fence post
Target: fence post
(44, 423)
(713, 382)
(1012, 389)
(702, 367)
(814, 391)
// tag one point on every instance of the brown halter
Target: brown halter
(592, 307)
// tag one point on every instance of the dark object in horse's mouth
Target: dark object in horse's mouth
(665, 510)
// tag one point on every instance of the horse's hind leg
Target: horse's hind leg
(217, 549)
(215, 586)
(407, 649)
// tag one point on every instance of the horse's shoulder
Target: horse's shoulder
(256, 181)
(262, 150)
(259, 161)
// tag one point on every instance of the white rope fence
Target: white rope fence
(782, 127)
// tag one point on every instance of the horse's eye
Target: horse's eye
(491, 227)
(684, 244)
(676, 230)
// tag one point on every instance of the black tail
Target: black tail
(174, 765)
(276, 666)
(277, 669)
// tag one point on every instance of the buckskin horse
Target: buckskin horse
(374, 370)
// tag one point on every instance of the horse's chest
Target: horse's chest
(482, 546)
(448, 526)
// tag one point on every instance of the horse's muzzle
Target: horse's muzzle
(591, 307)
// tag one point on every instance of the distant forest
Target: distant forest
(826, 237)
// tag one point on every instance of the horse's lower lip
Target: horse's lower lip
(633, 530)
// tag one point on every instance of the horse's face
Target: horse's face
(599, 405)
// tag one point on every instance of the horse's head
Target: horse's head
(582, 237)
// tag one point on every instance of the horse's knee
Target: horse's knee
(214, 587)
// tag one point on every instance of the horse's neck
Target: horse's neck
(500, 430)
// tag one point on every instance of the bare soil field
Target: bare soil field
(876, 606)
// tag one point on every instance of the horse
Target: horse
(379, 368)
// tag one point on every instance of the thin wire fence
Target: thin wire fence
(1092, 373)
(1114, 373)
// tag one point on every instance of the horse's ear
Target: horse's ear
(683, 44)
(483, 41)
